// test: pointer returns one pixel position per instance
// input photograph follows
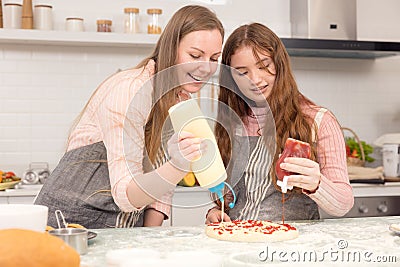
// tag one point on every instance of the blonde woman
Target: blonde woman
(116, 172)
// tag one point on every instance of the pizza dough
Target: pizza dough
(251, 231)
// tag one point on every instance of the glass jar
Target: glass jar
(154, 24)
(131, 20)
(43, 17)
(104, 25)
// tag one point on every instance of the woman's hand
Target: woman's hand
(308, 174)
(183, 148)
(214, 215)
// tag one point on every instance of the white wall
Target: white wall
(42, 89)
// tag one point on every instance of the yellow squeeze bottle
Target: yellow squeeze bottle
(209, 169)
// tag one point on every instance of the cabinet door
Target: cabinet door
(189, 207)
(3, 200)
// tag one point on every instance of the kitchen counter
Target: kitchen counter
(345, 241)
(359, 190)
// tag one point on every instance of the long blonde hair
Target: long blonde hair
(187, 19)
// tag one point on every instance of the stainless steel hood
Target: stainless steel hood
(322, 28)
(299, 47)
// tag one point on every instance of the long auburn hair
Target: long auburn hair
(187, 19)
(285, 100)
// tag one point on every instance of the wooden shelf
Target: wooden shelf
(63, 38)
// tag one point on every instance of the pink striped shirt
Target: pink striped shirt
(104, 120)
(334, 194)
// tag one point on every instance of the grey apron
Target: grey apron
(80, 187)
(257, 198)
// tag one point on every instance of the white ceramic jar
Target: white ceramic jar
(43, 17)
(12, 16)
(74, 24)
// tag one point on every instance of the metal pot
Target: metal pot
(74, 237)
(37, 173)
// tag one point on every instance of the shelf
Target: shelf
(296, 47)
(64, 38)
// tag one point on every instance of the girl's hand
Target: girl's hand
(183, 148)
(214, 215)
(308, 174)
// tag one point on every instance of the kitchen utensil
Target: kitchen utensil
(91, 235)
(37, 173)
(75, 237)
(27, 14)
(23, 216)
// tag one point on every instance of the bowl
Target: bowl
(23, 216)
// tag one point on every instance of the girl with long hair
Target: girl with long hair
(264, 94)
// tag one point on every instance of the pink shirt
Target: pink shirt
(334, 194)
(104, 119)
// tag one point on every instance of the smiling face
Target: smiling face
(198, 54)
(254, 76)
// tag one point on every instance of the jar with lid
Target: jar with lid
(154, 24)
(74, 24)
(131, 23)
(12, 15)
(104, 25)
(43, 17)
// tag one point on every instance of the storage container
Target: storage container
(154, 21)
(12, 16)
(131, 22)
(43, 17)
(104, 25)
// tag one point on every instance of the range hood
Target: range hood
(304, 47)
(321, 28)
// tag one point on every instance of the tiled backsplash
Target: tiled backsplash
(42, 89)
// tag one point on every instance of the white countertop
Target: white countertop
(24, 190)
(335, 242)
